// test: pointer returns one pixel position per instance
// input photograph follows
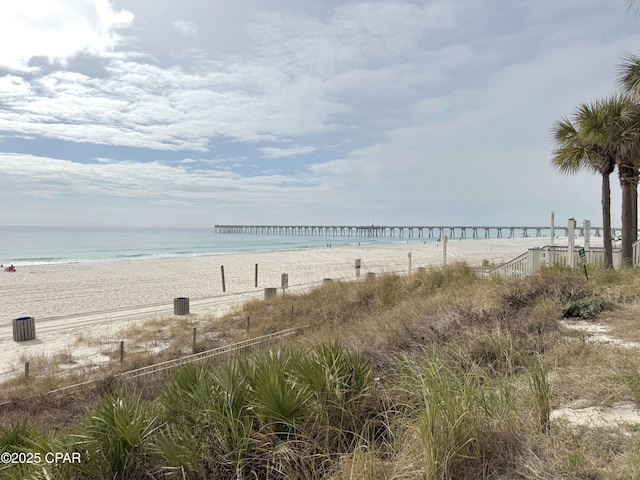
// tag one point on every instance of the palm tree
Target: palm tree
(591, 142)
(629, 79)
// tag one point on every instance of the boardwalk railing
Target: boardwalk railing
(530, 262)
(516, 268)
(636, 253)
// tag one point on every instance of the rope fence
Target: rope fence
(65, 361)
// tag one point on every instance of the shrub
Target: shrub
(588, 308)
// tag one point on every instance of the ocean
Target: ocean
(22, 245)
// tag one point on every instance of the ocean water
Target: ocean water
(22, 245)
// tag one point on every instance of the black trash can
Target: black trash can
(181, 306)
(24, 328)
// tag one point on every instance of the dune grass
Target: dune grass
(441, 375)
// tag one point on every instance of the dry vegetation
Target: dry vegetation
(442, 375)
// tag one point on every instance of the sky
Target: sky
(385, 112)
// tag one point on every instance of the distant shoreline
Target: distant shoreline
(95, 298)
(29, 246)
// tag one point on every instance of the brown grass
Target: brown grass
(495, 326)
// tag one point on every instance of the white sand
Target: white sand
(99, 299)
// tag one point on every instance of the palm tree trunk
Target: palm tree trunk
(606, 221)
(628, 224)
(635, 207)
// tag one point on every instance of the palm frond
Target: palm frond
(633, 5)
(564, 132)
(629, 74)
(569, 160)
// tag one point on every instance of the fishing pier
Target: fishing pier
(382, 231)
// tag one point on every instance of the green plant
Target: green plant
(538, 376)
(631, 379)
(190, 394)
(339, 381)
(118, 433)
(14, 440)
(588, 308)
(179, 451)
(232, 416)
(449, 416)
(279, 401)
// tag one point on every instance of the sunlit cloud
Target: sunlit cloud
(58, 30)
(271, 152)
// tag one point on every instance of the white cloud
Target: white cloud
(304, 75)
(49, 177)
(58, 29)
(272, 152)
(188, 29)
(424, 108)
(146, 106)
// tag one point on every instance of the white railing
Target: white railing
(516, 268)
(531, 261)
(595, 256)
(636, 253)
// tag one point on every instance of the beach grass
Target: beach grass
(441, 375)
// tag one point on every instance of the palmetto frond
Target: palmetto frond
(564, 132)
(629, 75)
(601, 132)
(633, 5)
(606, 122)
(570, 159)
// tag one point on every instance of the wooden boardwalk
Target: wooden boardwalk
(383, 231)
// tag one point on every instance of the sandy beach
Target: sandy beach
(101, 298)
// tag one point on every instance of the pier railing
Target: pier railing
(409, 231)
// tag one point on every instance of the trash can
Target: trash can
(181, 306)
(24, 328)
(371, 275)
(270, 292)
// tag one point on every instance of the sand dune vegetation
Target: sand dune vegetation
(441, 375)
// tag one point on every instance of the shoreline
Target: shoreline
(100, 298)
(47, 290)
(227, 245)
(24, 262)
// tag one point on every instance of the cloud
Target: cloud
(392, 108)
(303, 77)
(49, 177)
(145, 106)
(188, 29)
(272, 152)
(58, 30)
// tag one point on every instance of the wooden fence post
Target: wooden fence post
(444, 249)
